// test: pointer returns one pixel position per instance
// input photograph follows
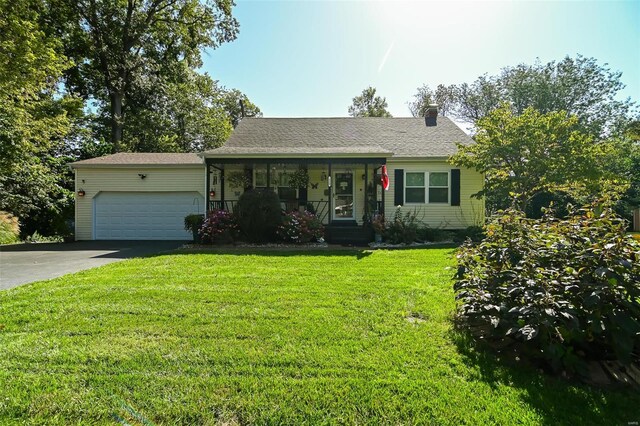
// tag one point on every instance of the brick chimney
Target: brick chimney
(431, 116)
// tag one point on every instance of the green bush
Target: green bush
(258, 214)
(474, 233)
(9, 228)
(37, 237)
(435, 235)
(193, 223)
(402, 229)
(566, 290)
(300, 227)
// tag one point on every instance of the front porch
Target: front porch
(343, 193)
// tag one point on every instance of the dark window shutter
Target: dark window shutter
(399, 188)
(455, 187)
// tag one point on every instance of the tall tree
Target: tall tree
(526, 154)
(443, 96)
(123, 47)
(580, 86)
(34, 116)
(182, 116)
(231, 103)
(369, 105)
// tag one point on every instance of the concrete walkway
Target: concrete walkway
(25, 263)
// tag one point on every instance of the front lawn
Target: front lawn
(237, 337)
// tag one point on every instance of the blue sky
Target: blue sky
(309, 59)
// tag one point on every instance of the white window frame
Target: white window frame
(426, 188)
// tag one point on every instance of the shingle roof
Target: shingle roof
(399, 137)
(140, 158)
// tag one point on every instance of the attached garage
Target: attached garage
(138, 196)
(144, 215)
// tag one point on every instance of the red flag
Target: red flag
(385, 178)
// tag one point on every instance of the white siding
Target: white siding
(126, 179)
(470, 212)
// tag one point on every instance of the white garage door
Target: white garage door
(144, 215)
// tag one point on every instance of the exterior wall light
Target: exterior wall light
(81, 193)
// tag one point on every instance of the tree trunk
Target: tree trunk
(116, 120)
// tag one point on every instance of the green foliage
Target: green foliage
(566, 289)
(238, 179)
(299, 178)
(9, 228)
(530, 153)
(443, 96)
(259, 214)
(369, 105)
(300, 227)
(128, 53)
(403, 228)
(36, 237)
(579, 85)
(184, 115)
(193, 222)
(473, 233)
(219, 227)
(427, 233)
(231, 103)
(625, 162)
(35, 119)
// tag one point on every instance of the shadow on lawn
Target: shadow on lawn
(348, 251)
(558, 400)
(357, 252)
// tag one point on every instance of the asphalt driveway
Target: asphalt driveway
(25, 263)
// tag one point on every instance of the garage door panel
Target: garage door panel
(144, 215)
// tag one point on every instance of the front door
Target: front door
(343, 206)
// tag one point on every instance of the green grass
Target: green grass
(268, 338)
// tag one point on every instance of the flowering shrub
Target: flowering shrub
(219, 227)
(300, 227)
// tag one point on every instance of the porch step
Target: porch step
(343, 234)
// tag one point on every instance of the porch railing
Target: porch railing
(320, 208)
(228, 205)
(378, 207)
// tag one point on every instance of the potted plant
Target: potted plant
(193, 223)
(239, 180)
(379, 226)
(299, 179)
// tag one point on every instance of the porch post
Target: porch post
(329, 180)
(382, 209)
(222, 206)
(207, 186)
(366, 190)
(268, 176)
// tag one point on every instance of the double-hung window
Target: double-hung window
(427, 187)
(415, 187)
